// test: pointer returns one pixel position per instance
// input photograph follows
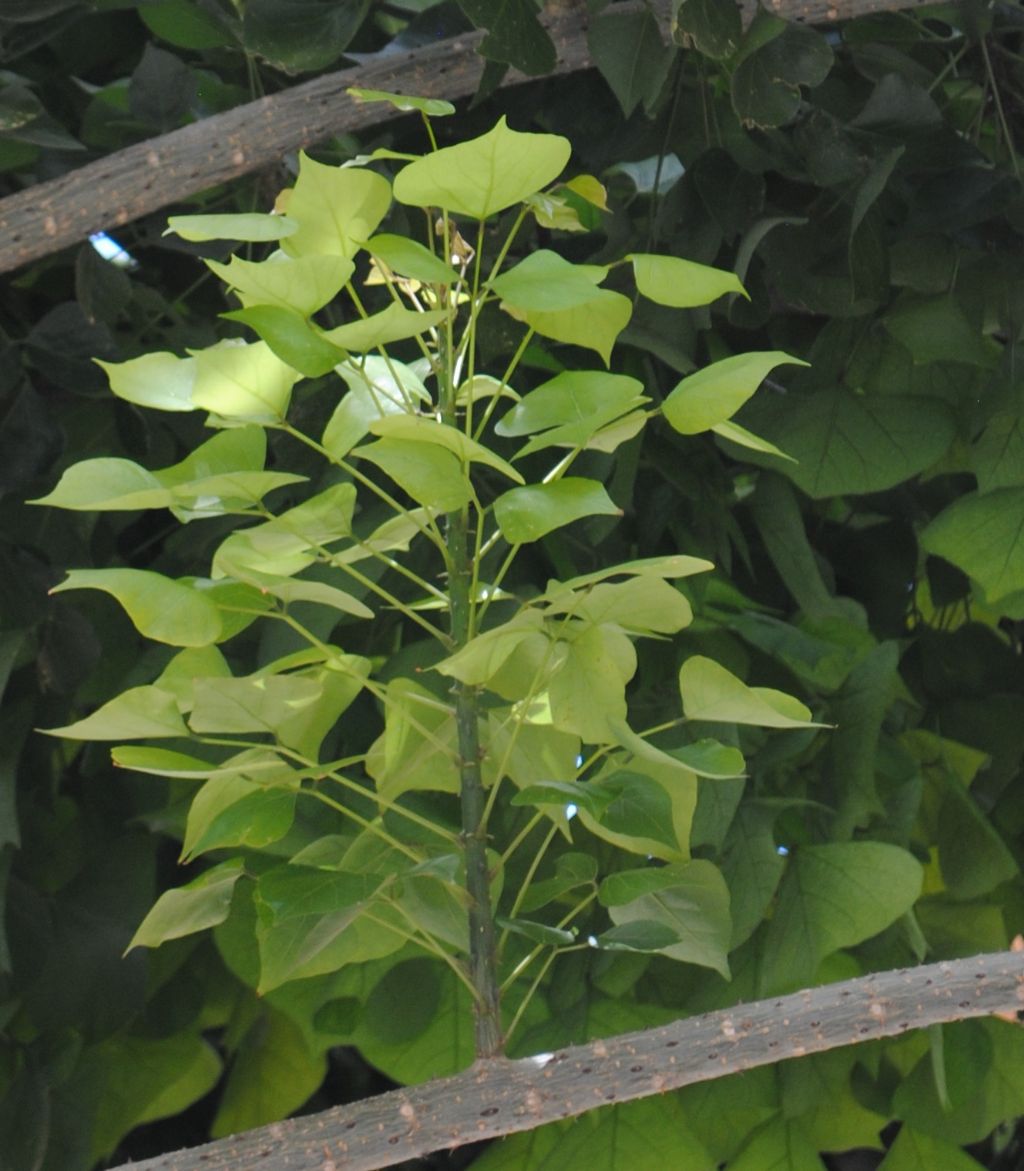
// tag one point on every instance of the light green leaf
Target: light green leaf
(204, 902)
(290, 589)
(706, 758)
(485, 654)
(643, 604)
(588, 689)
(337, 209)
(304, 284)
(409, 258)
(669, 565)
(292, 891)
(158, 380)
(594, 325)
(285, 545)
(744, 438)
(255, 227)
(161, 609)
(254, 703)
(162, 762)
(546, 282)
(636, 806)
(688, 898)
(681, 284)
(850, 443)
(392, 324)
(432, 107)
(834, 896)
(106, 485)
(247, 383)
(710, 692)
(983, 534)
(554, 212)
(485, 175)
(527, 514)
(537, 932)
(293, 339)
(417, 749)
(140, 713)
(572, 408)
(423, 430)
(431, 475)
(235, 812)
(713, 395)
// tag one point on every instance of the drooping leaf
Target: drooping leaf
(528, 513)
(710, 692)
(834, 896)
(546, 281)
(204, 902)
(711, 396)
(913, 1151)
(106, 484)
(683, 284)
(141, 713)
(485, 175)
(161, 609)
(254, 703)
(429, 431)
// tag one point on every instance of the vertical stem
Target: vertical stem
(483, 964)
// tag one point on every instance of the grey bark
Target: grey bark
(500, 1097)
(141, 179)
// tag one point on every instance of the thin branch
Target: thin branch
(141, 179)
(500, 1097)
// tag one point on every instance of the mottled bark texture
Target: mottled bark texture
(501, 1097)
(141, 179)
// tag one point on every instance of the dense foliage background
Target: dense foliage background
(865, 185)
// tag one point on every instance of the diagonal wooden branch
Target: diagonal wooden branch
(501, 1097)
(141, 179)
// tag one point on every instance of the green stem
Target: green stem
(483, 963)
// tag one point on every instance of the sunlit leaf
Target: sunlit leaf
(337, 209)
(983, 533)
(160, 609)
(409, 258)
(251, 226)
(528, 513)
(204, 902)
(433, 107)
(431, 475)
(422, 430)
(713, 395)
(679, 283)
(710, 692)
(485, 175)
(140, 713)
(390, 325)
(159, 380)
(247, 383)
(303, 283)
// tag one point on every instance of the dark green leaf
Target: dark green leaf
(515, 36)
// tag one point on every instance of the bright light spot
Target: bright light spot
(783, 850)
(110, 250)
(592, 940)
(570, 811)
(579, 761)
(540, 1058)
